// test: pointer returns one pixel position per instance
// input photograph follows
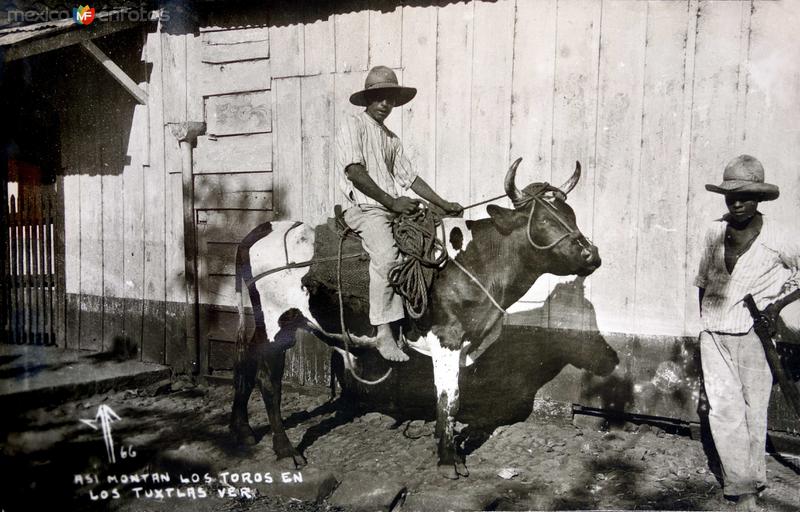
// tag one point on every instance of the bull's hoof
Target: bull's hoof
(298, 460)
(447, 471)
(243, 434)
(461, 468)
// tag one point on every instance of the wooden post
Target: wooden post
(187, 134)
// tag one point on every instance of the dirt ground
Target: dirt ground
(544, 463)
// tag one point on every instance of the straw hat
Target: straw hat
(745, 174)
(381, 78)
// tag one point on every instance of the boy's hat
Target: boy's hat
(745, 174)
(384, 79)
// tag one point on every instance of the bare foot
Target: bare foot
(747, 502)
(388, 348)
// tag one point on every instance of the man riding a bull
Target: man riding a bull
(371, 164)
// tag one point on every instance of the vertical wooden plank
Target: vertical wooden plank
(351, 24)
(619, 137)
(90, 330)
(713, 128)
(288, 153)
(91, 233)
(134, 205)
(454, 78)
(772, 103)
(175, 315)
(173, 58)
(663, 182)
(165, 53)
(153, 348)
(194, 84)
(574, 126)
(532, 89)
(319, 41)
(491, 100)
(317, 136)
(112, 153)
(385, 34)
(72, 256)
(532, 108)
(419, 70)
(287, 41)
(155, 294)
(69, 231)
(113, 251)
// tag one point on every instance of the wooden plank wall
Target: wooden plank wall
(233, 162)
(653, 98)
(113, 193)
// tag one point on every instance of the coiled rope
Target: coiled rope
(415, 235)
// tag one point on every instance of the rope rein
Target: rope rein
(345, 333)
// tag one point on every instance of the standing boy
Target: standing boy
(371, 164)
(744, 253)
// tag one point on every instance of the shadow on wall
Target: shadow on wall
(658, 375)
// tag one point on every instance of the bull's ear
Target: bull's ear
(506, 220)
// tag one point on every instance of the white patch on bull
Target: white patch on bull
(450, 224)
(446, 364)
(423, 346)
(282, 290)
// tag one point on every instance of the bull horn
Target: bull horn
(512, 191)
(567, 187)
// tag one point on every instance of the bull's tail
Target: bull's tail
(244, 276)
(243, 272)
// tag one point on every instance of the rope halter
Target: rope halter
(522, 199)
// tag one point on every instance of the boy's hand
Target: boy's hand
(768, 321)
(404, 204)
(452, 209)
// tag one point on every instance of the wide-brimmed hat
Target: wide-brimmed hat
(745, 174)
(381, 78)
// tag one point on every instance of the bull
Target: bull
(496, 262)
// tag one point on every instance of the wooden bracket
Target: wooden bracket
(116, 72)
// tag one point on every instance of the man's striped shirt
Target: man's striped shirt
(362, 140)
(763, 270)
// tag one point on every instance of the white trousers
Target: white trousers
(738, 383)
(374, 225)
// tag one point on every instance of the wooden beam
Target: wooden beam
(116, 72)
(31, 47)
